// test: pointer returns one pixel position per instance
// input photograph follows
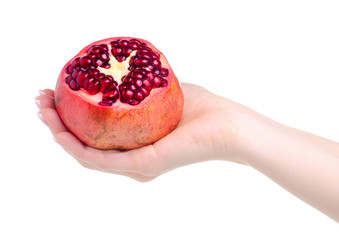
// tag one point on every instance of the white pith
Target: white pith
(117, 69)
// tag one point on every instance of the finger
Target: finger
(44, 101)
(72, 145)
(53, 120)
(79, 150)
(48, 92)
(139, 161)
(85, 155)
(137, 177)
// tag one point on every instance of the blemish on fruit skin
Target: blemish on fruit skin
(98, 135)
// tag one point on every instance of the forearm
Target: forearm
(304, 164)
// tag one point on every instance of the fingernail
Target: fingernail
(38, 103)
(41, 92)
(42, 118)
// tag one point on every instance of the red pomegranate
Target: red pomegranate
(119, 93)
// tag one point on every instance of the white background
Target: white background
(280, 58)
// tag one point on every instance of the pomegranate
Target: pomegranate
(119, 93)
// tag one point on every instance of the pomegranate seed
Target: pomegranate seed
(133, 102)
(112, 94)
(92, 56)
(127, 51)
(100, 76)
(155, 55)
(156, 63)
(163, 83)
(97, 62)
(94, 50)
(103, 56)
(94, 72)
(132, 67)
(150, 67)
(94, 87)
(164, 72)
(127, 79)
(144, 55)
(105, 83)
(75, 74)
(103, 47)
(69, 69)
(74, 85)
(137, 75)
(132, 87)
(138, 83)
(143, 50)
(150, 75)
(140, 62)
(127, 94)
(115, 94)
(114, 43)
(85, 61)
(68, 79)
(123, 43)
(75, 62)
(120, 58)
(87, 82)
(108, 89)
(156, 81)
(110, 97)
(144, 92)
(156, 71)
(110, 77)
(147, 49)
(134, 44)
(106, 103)
(131, 61)
(139, 96)
(147, 85)
(81, 78)
(135, 40)
(116, 51)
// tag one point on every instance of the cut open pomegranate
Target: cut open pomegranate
(119, 93)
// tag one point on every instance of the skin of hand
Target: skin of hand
(213, 127)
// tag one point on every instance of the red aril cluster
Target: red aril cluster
(145, 72)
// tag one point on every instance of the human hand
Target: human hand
(213, 127)
(205, 132)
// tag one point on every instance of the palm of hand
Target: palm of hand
(200, 135)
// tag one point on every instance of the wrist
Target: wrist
(256, 136)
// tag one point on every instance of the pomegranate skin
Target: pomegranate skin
(120, 126)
